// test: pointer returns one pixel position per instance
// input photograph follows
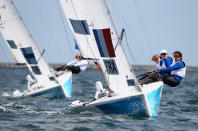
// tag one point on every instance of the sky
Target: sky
(151, 25)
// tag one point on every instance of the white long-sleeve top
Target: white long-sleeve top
(81, 63)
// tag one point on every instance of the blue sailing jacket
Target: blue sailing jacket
(166, 63)
(178, 65)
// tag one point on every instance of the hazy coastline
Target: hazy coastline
(91, 66)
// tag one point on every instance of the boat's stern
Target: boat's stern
(66, 83)
(152, 93)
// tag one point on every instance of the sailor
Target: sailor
(99, 89)
(177, 71)
(30, 82)
(152, 76)
(75, 66)
(165, 61)
(157, 60)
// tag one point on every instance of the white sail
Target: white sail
(96, 36)
(22, 45)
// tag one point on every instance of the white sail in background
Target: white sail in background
(16, 53)
(97, 38)
(21, 43)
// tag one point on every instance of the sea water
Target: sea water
(178, 109)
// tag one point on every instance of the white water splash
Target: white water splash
(17, 93)
(3, 109)
(5, 94)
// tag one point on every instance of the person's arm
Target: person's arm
(71, 62)
(178, 65)
(168, 61)
(161, 62)
(82, 64)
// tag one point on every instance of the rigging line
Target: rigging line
(119, 11)
(143, 26)
(43, 21)
(50, 56)
(21, 19)
(105, 73)
(65, 29)
(85, 36)
(130, 49)
(132, 58)
(123, 69)
(117, 43)
(125, 24)
(28, 32)
(124, 21)
(88, 42)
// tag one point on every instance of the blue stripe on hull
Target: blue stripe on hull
(67, 87)
(153, 99)
(57, 91)
(53, 92)
(132, 105)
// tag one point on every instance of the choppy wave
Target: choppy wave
(178, 109)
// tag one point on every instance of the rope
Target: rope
(65, 29)
(89, 44)
(132, 34)
(44, 24)
(85, 36)
(135, 77)
(143, 26)
(130, 49)
(29, 36)
(124, 21)
(50, 56)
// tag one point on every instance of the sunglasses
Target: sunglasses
(155, 59)
(176, 56)
(163, 54)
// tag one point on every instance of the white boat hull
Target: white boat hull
(61, 90)
(146, 102)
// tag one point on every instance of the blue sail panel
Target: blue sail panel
(80, 26)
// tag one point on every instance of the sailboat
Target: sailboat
(97, 39)
(45, 80)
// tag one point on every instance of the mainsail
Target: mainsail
(22, 45)
(97, 39)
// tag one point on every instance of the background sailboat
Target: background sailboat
(22, 46)
(97, 39)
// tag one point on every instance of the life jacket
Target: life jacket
(162, 62)
(179, 72)
(161, 65)
(158, 66)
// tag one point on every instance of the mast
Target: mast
(97, 38)
(21, 43)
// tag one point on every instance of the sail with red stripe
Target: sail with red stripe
(104, 42)
(92, 26)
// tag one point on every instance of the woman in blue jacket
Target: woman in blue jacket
(177, 71)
